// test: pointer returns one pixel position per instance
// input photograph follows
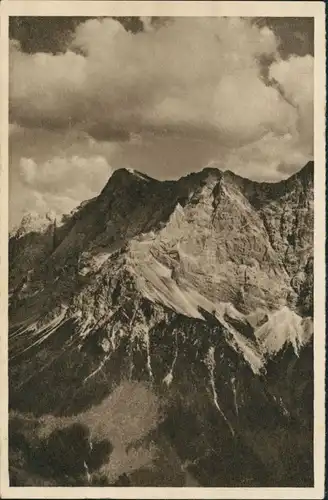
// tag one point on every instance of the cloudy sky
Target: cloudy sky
(165, 96)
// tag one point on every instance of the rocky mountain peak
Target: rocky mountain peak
(307, 172)
(124, 177)
(33, 222)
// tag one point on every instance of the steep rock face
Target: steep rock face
(201, 289)
(287, 212)
(29, 244)
(217, 243)
(202, 230)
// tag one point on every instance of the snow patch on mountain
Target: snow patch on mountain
(211, 365)
(38, 334)
(169, 377)
(33, 222)
(282, 328)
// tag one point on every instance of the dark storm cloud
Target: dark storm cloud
(54, 34)
(43, 34)
(296, 35)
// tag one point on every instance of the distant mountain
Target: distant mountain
(199, 290)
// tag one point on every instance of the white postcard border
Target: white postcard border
(176, 8)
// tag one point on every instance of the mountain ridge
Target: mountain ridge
(304, 172)
(192, 287)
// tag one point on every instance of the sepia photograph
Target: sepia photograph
(161, 261)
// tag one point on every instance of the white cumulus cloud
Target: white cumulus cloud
(60, 184)
(199, 75)
(216, 84)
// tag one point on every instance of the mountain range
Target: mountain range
(162, 335)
